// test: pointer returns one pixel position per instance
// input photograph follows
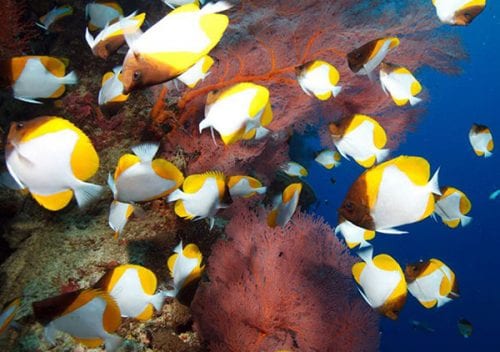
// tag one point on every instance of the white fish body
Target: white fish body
(292, 168)
(354, 235)
(118, 215)
(43, 165)
(130, 296)
(86, 322)
(243, 188)
(100, 14)
(427, 288)
(480, 142)
(36, 81)
(446, 9)
(392, 207)
(359, 144)
(317, 82)
(448, 208)
(328, 158)
(399, 86)
(111, 89)
(183, 267)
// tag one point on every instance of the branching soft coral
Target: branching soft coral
(267, 40)
(282, 289)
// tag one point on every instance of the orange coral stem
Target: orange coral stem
(157, 109)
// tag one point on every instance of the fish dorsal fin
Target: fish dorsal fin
(272, 218)
(184, 8)
(84, 158)
(356, 121)
(465, 204)
(192, 251)
(165, 169)
(111, 319)
(125, 162)
(107, 76)
(267, 115)
(357, 270)
(386, 262)
(290, 191)
(171, 263)
(417, 169)
(193, 183)
(379, 135)
(55, 201)
(148, 279)
(54, 65)
(259, 101)
(233, 180)
(146, 151)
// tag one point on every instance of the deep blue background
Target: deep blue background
(472, 252)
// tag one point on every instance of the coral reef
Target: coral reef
(296, 286)
(16, 31)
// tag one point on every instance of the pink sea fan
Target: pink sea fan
(284, 288)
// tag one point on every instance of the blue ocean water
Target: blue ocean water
(441, 136)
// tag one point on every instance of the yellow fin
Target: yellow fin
(386, 262)
(416, 168)
(465, 204)
(59, 91)
(250, 134)
(148, 279)
(267, 115)
(214, 25)
(445, 286)
(333, 75)
(112, 318)
(289, 192)
(259, 101)
(192, 251)
(125, 162)
(400, 102)
(429, 208)
(357, 269)
(367, 162)
(490, 145)
(233, 137)
(168, 171)
(429, 304)
(146, 314)
(379, 135)
(171, 262)
(107, 76)
(84, 158)
(323, 96)
(54, 65)
(181, 211)
(185, 8)
(271, 218)
(54, 201)
(369, 235)
(193, 183)
(452, 223)
(90, 343)
(415, 88)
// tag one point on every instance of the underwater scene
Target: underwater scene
(249, 176)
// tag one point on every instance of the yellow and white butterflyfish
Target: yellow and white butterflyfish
(458, 12)
(90, 316)
(184, 267)
(112, 88)
(158, 56)
(431, 282)
(133, 288)
(8, 314)
(452, 206)
(33, 77)
(54, 15)
(201, 197)
(328, 158)
(382, 282)
(354, 235)
(176, 3)
(365, 59)
(318, 78)
(394, 193)
(197, 72)
(238, 111)
(112, 37)
(284, 206)
(481, 140)
(361, 138)
(400, 84)
(291, 168)
(119, 213)
(244, 186)
(140, 178)
(100, 13)
(52, 158)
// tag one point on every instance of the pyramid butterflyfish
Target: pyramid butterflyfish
(481, 140)
(54, 15)
(328, 158)
(318, 78)
(452, 206)
(102, 12)
(400, 84)
(244, 186)
(458, 12)
(365, 59)
(185, 267)
(284, 205)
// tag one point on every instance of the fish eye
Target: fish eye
(19, 125)
(467, 16)
(349, 206)
(137, 75)
(357, 55)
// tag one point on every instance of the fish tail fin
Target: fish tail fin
(70, 78)
(414, 100)
(89, 38)
(111, 184)
(261, 132)
(42, 26)
(119, 213)
(336, 90)
(434, 183)
(203, 124)
(261, 190)
(363, 245)
(382, 154)
(366, 254)
(441, 301)
(487, 153)
(175, 195)
(158, 300)
(214, 7)
(494, 194)
(112, 342)
(465, 220)
(146, 151)
(86, 193)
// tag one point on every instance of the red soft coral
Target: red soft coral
(287, 288)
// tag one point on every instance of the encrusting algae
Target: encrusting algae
(64, 263)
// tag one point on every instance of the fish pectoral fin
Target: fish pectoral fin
(28, 100)
(391, 231)
(54, 201)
